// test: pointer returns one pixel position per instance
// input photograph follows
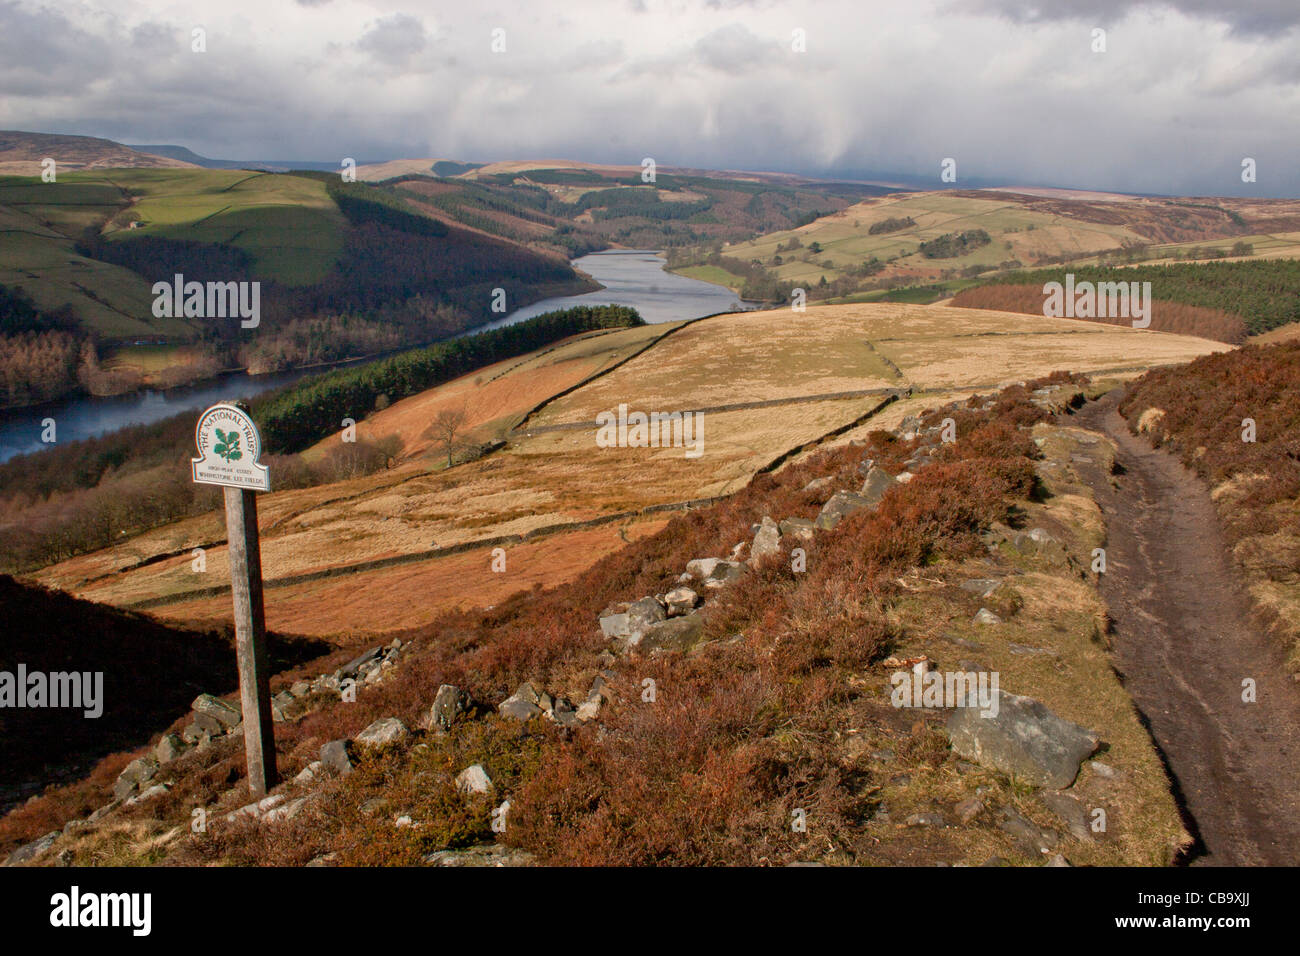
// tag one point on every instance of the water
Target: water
(634, 278)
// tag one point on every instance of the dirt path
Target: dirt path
(1184, 644)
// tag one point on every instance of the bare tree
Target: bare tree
(446, 428)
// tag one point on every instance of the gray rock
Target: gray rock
(353, 667)
(820, 484)
(489, 855)
(522, 704)
(981, 586)
(1057, 860)
(675, 634)
(385, 730)
(201, 728)
(986, 617)
(285, 811)
(1071, 812)
(1031, 837)
(1024, 740)
(30, 851)
(334, 756)
(157, 790)
(701, 568)
(307, 775)
(168, 749)
(300, 688)
(449, 705)
(614, 624)
(474, 779)
(767, 542)
(216, 708)
(841, 505)
(137, 772)
(640, 616)
(878, 482)
(801, 528)
(724, 573)
(681, 601)
(589, 709)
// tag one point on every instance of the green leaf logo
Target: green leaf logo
(228, 445)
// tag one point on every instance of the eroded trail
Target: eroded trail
(1185, 643)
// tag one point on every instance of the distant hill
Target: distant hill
(21, 154)
(189, 157)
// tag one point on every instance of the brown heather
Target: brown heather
(744, 729)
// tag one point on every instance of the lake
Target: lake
(630, 277)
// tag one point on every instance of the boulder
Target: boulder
(681, 601)
(715, 572)
(641, 614)
(818, 485)
(300, 688)
(334, 755)
(675, 634)
(352, 667)
(30, 851)
(767, 542)
(1024, 740)
(522, 704)
(613, 623)
(878, 482)
(385, 730)
(135, 773)
(986, 617)
(474, 779)
(168, 749)
(801, 528)
(1070, 811)
(492, 854)
(224, 714)
(841, 505)
(200, 728)
(449, 705)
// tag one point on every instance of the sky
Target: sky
(1016, 93)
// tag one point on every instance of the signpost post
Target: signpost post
(228, 450)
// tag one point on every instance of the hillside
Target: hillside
(150, 673)
(21, 154)
(913, 239)
(345, 270)
(770, 704)
(769, 383)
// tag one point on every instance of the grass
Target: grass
(559, 476)
(288, 224)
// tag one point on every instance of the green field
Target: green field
(287, 224)
(844, 239)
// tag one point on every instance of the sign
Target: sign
(229, 447)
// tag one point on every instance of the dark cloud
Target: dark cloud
(394, 39)
(1245, 16)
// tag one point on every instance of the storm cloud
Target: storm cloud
(1018, 93)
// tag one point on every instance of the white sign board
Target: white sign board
(229, 447)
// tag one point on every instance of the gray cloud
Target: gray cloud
(394, 39)
(1172, 107)
(1246, 16)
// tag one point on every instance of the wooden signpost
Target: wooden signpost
(229, 447)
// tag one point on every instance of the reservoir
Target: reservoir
(631, 277)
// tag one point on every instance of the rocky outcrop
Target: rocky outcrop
(1024, 740)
